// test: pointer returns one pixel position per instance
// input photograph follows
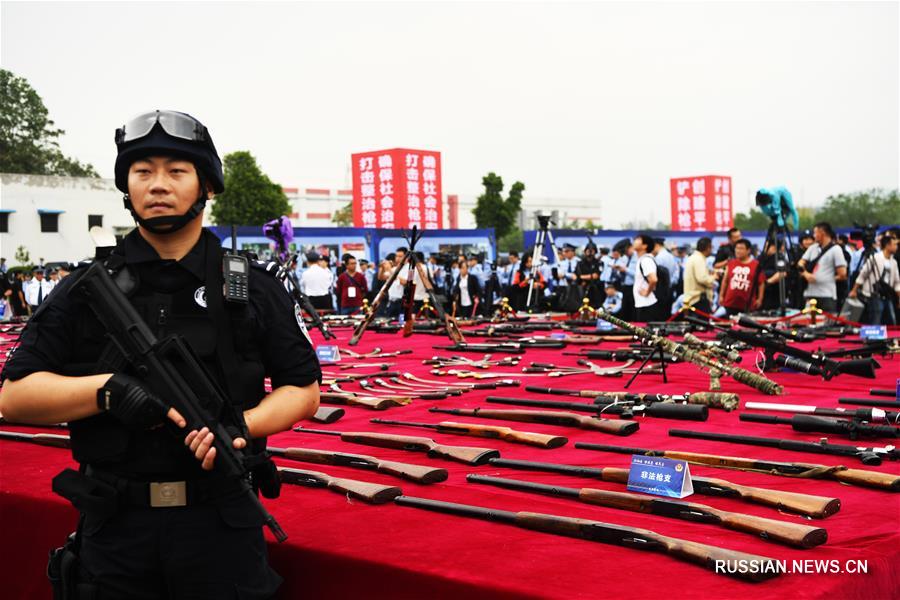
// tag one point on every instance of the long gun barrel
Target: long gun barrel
(870, 402)
(549, 417)
(791, 534)
(872, 479)
(373, 493)
(466, 454)
(868, 456)
(495, 432)
(746, 377)
(417, 473)
(170, 368)
(813, 424)
(860, 414)
(817, 507)
(606, 533)
(663, 410)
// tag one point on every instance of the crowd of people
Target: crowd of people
(640, 279)
(23, 291)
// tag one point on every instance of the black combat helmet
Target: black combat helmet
(168, 133)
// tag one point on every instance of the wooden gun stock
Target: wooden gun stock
(372, 493)
(507, 434)
(41, 439)
(380, 403)
(791, 534)
(417, 473)
(466, 454)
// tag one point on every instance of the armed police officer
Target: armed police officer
(157, 520)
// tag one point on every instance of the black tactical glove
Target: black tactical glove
(130, 402)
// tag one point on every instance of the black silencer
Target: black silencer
(684, 412)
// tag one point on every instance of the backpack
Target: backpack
(663, 289)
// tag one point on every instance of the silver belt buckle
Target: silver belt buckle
(168, 493)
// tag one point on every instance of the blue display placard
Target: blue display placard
(660, 476)
(328, 354)
(604, 325)
(873, 332)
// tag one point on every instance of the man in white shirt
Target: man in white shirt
(823, 265)
(316, 283)
(645, 301)
(877, 277)
(395, 292)
(39, 289)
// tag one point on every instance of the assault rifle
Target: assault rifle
(170, 369)
(795, 358)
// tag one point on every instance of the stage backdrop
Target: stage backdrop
(701, 203)
(397, 188)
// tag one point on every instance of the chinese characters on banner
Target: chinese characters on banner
(397, 189)
(701, 203)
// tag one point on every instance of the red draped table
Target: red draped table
(340, 547)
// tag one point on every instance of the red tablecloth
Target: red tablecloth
(343, 547)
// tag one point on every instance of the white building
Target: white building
(50, 216)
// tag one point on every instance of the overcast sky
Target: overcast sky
(582, 100)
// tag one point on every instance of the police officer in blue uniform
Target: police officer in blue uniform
(157, 520)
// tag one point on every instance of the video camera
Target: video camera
(865, 234)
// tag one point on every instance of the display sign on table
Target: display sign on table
(397, 189)
(660, 476)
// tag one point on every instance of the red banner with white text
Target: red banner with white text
(397, 189)
(701, 203)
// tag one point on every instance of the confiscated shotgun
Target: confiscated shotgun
(607, 533)
(549, 417)
(790, 534)
(416, 473)
(466, 454)
(372, 493)
(507, 434)
(861, 477)
(817, 507)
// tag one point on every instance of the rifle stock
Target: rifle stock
(372, 493)
(417, 473)
(41, 439)
(381, 403)
(466, 454)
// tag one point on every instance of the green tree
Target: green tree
(866, 206)
(28, 138)
(250, 197)
(491, 210)
(23, 256)
(513, 240)
(343, 217)
(753, 220)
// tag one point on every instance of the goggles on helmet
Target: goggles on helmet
(175, 124)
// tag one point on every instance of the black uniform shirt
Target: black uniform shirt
(65, 337)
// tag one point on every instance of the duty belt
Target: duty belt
(166, 494)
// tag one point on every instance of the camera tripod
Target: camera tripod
(778, 235)
(543, 235)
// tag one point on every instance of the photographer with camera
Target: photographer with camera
(878, 284)
(822, 266)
